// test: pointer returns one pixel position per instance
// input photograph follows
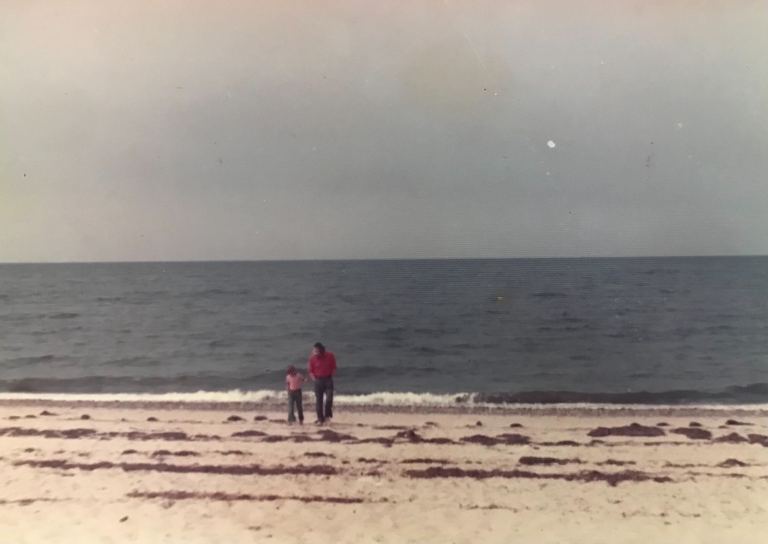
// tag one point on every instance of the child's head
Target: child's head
(291, 370)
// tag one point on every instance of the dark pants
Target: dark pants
(294, 400)
(324, 386)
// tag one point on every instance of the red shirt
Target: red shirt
(322, 367)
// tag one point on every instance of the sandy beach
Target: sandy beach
(138, 473)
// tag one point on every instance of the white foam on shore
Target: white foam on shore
(383, 398)
(260, 396)
(234, 395)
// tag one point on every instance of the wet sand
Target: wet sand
(131, 473)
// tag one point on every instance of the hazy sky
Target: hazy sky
(182, 129)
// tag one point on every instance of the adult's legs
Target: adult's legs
(329, 398)
(319, 390)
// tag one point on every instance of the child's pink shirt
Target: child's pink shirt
(294, 382)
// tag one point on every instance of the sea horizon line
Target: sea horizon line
(388, 259)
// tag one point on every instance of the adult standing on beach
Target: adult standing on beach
(322, 367)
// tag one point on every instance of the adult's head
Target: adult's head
(318, 349)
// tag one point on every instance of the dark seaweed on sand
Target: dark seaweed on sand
(732, 438)
(531, 460)
(506, 438)
(235, 470)
(633, 429)
(693, 433)
(220, 496)
(611, 478)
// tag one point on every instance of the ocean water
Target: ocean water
(644, 330)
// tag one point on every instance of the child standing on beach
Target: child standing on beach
(293, 381)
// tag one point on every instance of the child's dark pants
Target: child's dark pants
(294, 401)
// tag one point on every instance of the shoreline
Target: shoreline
(553, 410)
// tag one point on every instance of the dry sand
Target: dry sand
(191, 476)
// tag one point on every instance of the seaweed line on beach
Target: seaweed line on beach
(236, 470)
(220, 496)
(78, 433)
(611, 478)
(530, 460)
